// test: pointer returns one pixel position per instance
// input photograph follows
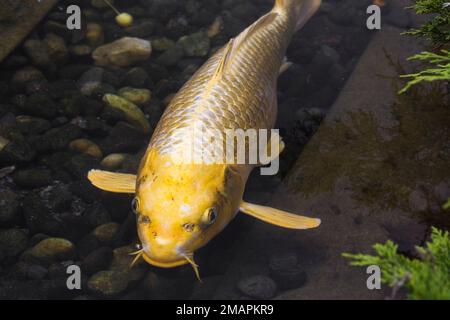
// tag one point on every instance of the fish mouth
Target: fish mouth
(160, 264)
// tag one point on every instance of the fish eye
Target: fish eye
(210, 216)
(135, 205)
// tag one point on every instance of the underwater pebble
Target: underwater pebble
(123, 52)
(133, 114)
(137, 96)
(3, 143)
(114, 161)
(94, 34)
(97, 260)
(36, 272)
(57, 48)
(195, 45)
(108, 283)
(171, 56)
(105, 233)
(41, 105)
(285, 270)
(13, 241)
(87, 147)
(9, 207)
(91, 80)
(80, 50)
(215, 28)
(37, 52)
(27, 74)
(32, 125)
(258, 287)
(32, 178)
(162, 43)
(136, 77)
(52, 249)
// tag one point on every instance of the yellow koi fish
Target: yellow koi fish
(180, 207)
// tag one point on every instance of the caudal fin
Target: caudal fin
(304, 9)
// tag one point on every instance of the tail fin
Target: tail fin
(304, 9)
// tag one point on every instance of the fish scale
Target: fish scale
(243, 98)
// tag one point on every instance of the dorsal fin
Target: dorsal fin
(225, 58)
(234, 44)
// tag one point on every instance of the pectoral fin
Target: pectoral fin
(285, 66)
(112, 181)
(278, 217)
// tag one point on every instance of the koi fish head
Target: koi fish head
(181, 207)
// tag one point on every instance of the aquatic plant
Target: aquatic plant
(437, 29)
(446, 206)
(440, 71)
(425, 278)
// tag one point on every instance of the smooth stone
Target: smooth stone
(9, 207)
(37, 51)
(13, 241)
(97, 260)
(195, 45)
(87, 147)
(114, 161)
(53, 249)
(32, 178)
(137, 96)
(258, 287)
(108, 283)
(133, 113)
(123, 52)
(105, 233)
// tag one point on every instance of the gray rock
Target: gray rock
(32, 178)
(285, 270)
(87, 244)
(41, 105)
(108, 284)
(27, 74)
(258, 287)
(123, 52)
(195, 45)
(10, 212)
(91, 80)
(16, 152)
(123, 138)
(56, 48)
(81, 50)
(141, 30)
(58, 138)
(38, 52)
(13, 242)
(36, 272)
(32, 125)
(105, 233)
(162, 43)
(53, 249)
(171, 56)
(136, 77)
(97, 260)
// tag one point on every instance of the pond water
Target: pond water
(51, 94)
